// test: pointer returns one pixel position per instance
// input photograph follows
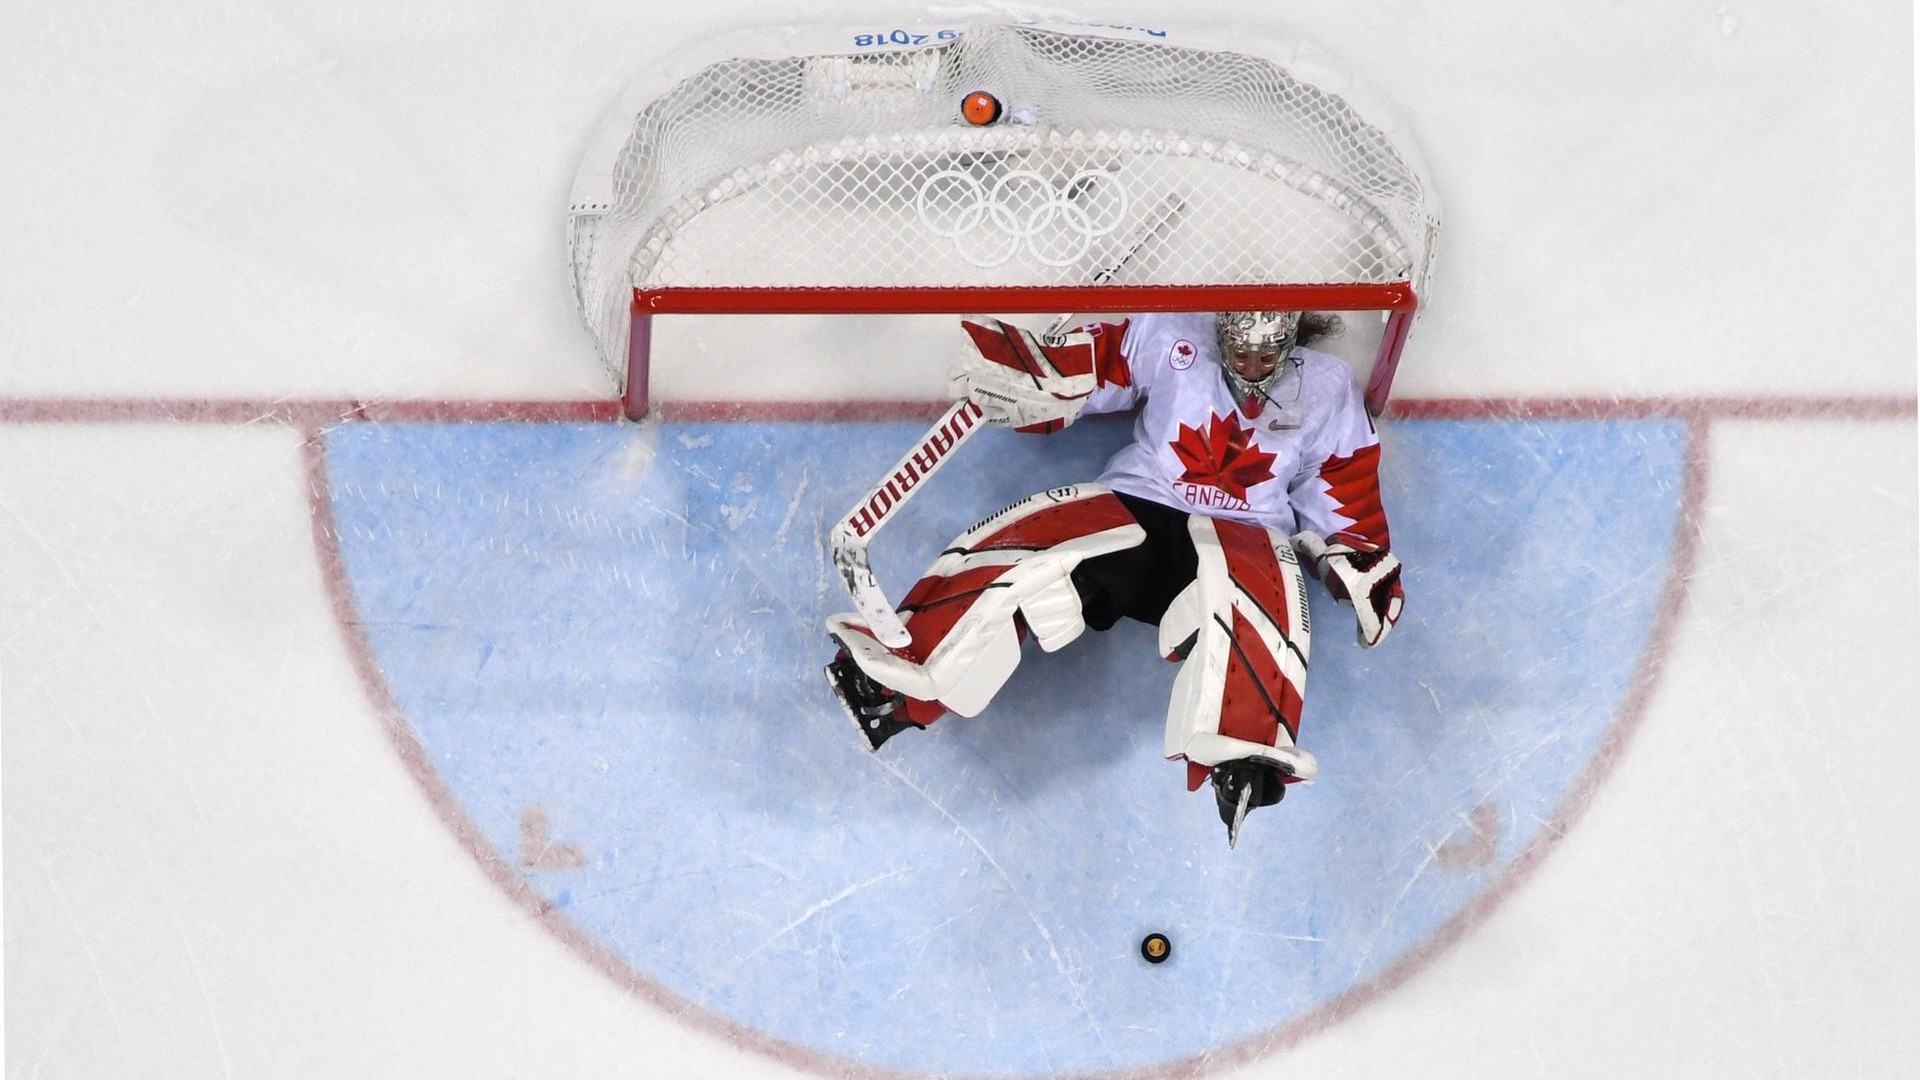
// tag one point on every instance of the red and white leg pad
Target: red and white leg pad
(1242, 632)
(1006, 575)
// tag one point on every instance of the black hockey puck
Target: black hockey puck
(1156, 948)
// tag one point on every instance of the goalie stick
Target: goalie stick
(849, 538)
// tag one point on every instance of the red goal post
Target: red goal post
(830, 171)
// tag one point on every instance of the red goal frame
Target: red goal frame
(1396, 298)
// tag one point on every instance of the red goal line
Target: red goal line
(326, 412)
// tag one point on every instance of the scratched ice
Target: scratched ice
(1653, 477)
(637, 652)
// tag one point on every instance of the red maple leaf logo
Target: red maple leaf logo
(1223, 456)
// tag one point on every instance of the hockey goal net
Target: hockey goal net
(1130, 170)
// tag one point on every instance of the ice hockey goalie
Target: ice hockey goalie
(1253, 463)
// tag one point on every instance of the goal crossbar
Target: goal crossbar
(1396, 298)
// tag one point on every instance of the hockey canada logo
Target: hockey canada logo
(1222, 458)
(1181, 354)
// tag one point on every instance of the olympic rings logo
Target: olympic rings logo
(1021, 209)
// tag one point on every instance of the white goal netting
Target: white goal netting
(846, 170)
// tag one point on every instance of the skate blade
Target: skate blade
(853, 716)
(1239, 816)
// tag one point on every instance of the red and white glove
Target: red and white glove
(1361, 574)
(1022, 380)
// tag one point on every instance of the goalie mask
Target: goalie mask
(1254, 347)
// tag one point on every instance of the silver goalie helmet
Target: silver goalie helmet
(1256, 331)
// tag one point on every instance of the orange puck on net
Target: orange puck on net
(980, 108)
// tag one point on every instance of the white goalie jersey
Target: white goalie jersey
(1304, 456)
(1296, 466)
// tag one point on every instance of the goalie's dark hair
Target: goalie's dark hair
(1319, 326)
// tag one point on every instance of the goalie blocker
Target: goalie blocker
(1229, 599)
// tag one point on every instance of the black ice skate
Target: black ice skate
(1242, 785)
(877, 712)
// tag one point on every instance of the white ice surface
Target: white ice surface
(367, 200)
(203, 818)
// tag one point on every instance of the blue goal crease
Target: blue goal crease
(622, 626)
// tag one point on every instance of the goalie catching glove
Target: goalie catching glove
(1360, 574)
(1023, 380)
